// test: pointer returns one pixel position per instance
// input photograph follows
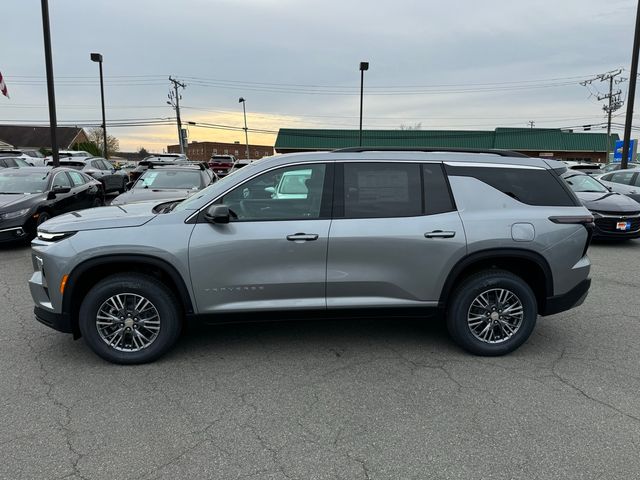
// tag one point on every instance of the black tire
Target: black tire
(97, 202)
(459, 311)
(156, 292)
(43, 217)
(124, 186)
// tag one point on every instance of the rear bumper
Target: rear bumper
(57, 321)
(567, 301)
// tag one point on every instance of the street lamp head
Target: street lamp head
(241, 100)
(364, 66)
(96, 57)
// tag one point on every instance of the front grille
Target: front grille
(608, 224)
(617, 214)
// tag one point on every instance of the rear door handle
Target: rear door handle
(302, 237)
(439, 234)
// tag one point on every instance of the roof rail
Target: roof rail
(501, 153)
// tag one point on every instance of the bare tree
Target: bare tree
(96, 136)
(417, 126)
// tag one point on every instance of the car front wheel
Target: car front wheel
(130, 318)
(492, 313)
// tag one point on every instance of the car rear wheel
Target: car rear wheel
(97, 202)
(43, 217)
(123, 187)
(130, 319)
(492, 313)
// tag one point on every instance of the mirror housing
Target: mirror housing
(217, 214)
(56, 191)
(270, 190)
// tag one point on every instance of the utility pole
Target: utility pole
(174, 101)
(614, 102)
(53, 122)
(364, 66)
(246, 130)
(633, 76)
(531, 123)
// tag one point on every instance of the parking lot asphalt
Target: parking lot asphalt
(330, 400)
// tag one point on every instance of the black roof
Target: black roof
(37, 137)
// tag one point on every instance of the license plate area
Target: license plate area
(623, 226)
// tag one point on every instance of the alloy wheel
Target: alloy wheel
(495, 315)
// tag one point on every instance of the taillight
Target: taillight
(572, 219)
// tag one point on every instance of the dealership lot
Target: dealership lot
(339, 399)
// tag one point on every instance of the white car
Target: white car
(71, 154)
(626, 182)
(292, 184)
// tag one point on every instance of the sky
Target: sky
(460, 64)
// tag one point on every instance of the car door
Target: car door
(62, 202)
(392, 241)
(272, 255)
(621, 181)
(83, 198)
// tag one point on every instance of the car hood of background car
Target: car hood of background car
(9, 202)
(152, 194)
(608, 202)
(102, 217)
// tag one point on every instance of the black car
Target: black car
(30, 196)
(99, 168)
(615, 215)
(169, 182)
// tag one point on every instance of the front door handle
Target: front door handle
(439, 234)
(302, 237)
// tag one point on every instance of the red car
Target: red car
(221, 164)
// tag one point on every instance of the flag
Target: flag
(3, 87)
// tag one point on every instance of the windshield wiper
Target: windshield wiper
(11, 193)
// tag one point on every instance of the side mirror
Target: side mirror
(270, 190)
(57, 190)
(217, 214)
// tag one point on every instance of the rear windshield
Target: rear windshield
(23, 181)
(170, 179)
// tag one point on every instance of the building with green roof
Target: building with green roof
(543, 142)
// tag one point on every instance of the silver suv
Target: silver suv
(491, 240)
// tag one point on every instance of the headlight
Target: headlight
(53, 237)
(16, 214)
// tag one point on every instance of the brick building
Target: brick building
(202, 151)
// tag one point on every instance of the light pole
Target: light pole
(246, 130)
(631, 95)
(363, 67)
(53, 123)
(97, 57)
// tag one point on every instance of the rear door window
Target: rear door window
(77, 179)
(381, 190)
(437, 197)
(624, 178)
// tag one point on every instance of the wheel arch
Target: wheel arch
(91, 271)
(532, 267)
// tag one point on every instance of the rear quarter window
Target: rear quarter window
(538, 187)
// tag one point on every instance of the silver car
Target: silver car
(488, 239)
(626, 182)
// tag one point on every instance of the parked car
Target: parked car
(112, 180)
(27, 156)
(590, 168)
(612, 167)
(143, 165)
(31, 196)
(626, 182)
(221, 164)
(71, 154)
(615, 215)
(238, 164)
(9, 162)
(166, 183)
(291, 185)
(489, 239)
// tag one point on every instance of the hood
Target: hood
(102, 217)
(18, 201)
(608, 202)
(152, 194)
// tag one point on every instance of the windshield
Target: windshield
(169, 179)
(584, 183)
(21, 181)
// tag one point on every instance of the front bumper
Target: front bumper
(573, 298)
(606, 226)
(57, 321)
(14, 229)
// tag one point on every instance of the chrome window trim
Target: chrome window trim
(492, 165)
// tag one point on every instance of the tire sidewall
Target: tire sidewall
(468, 291)
(161, 297)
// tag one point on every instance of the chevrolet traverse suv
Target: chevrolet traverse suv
(488, 239)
